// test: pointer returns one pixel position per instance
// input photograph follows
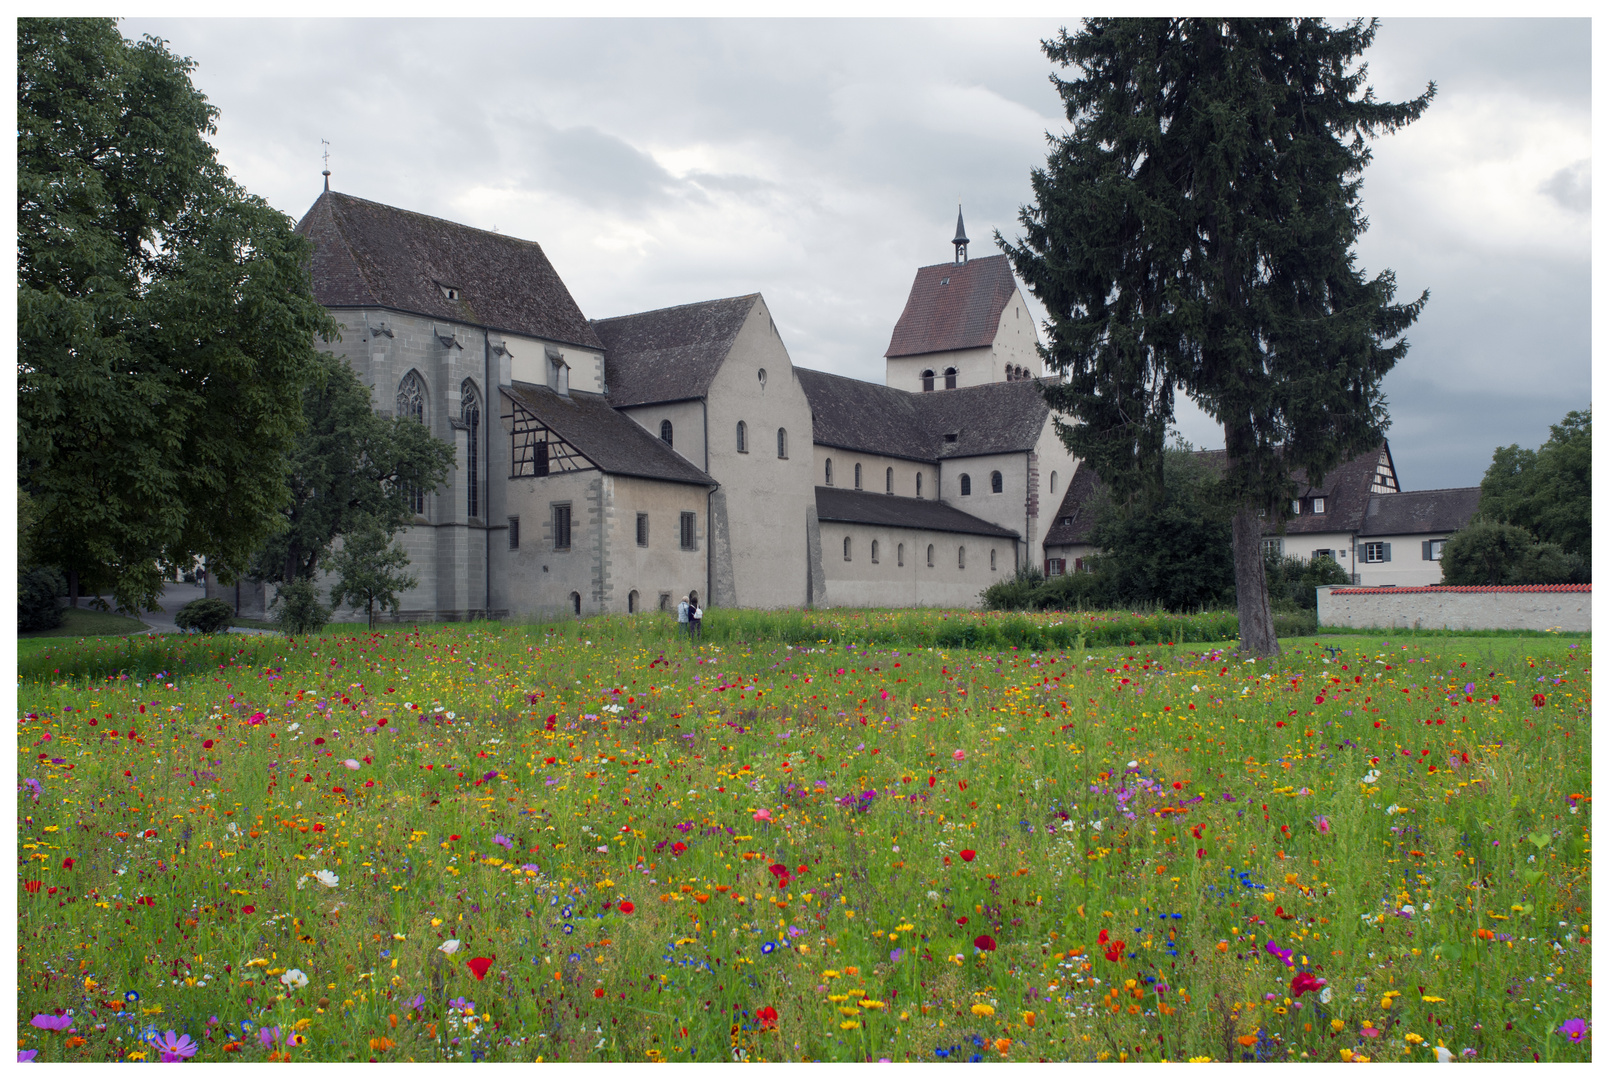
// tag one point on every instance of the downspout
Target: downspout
(1027, 541)
(486, 463)
(709, 509)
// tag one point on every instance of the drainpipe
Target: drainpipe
(1027, 540)
(486, 462)
(709, 507)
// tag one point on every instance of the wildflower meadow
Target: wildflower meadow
(600, 841)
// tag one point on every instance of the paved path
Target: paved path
(174, 596)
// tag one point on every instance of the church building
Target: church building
(617, 464)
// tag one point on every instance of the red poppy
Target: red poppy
(1303, 982)
(961, 921)
(984, 942)
(627, 907)
(1115, 953)
(206, 744)
(319, 741)
(967, 855)
(678, 847)
(453, 836)
(67, 864)
(597, 991)
(767, 1017)
(33, 886)
(1539, 700)
(1104, 938)
(248, 909)
(480, 965)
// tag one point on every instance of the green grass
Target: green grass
(904, 851)
(87, 622)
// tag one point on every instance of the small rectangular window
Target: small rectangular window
(689, 531)
(1274, 546)
(1432, 550)
(561, 527)
(642, 530)
(1296, 507)
(513, 534)
(1318, 506)
(1376, 552)
(1055, 567)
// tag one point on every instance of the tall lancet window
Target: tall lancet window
(411, 403)
(471, 415)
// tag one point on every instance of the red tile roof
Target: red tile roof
(1463, 589)
(953, 307)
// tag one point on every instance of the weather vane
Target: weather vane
(326, 143)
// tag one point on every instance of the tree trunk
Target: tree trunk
(1251, 587)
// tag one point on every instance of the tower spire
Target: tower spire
(960, 240)
(326, 143)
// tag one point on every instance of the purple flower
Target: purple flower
(27, 1055)
(417, 1001)
(52, 1022)
(268, 1035)
(33, 786)
(504, 841)
(1283, 954)
(1574, 1029)
(174, 1047)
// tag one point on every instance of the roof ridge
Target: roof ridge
(973, 261)
(1428, 491)
(430, 217)
(677, 307)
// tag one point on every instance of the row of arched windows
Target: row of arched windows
(1016, 373)
(928, 377)
(667, 434)
(411, 398)
(888, 479)
(997, 483)
(899, 554)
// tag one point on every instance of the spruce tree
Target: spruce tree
(1194, 232)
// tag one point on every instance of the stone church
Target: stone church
(617, 464)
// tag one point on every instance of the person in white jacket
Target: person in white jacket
(684, 613)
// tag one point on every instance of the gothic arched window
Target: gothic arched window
(949, 378)
(997, 483)
(411, 403)
(742, 437)
(927, 381)
(471, 417)
(966, 484)
(666, 433)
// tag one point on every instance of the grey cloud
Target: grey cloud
(1571, 187)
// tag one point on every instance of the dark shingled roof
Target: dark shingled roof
(1346, 494)
(853, 415)
(1078, 503)
(962, 314)
(994, 418)
(897, 511)
(610, 440)
(1441, 510)
(366, 254)
(671, 354)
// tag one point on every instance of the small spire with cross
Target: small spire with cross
(326, 143)
(960, 240)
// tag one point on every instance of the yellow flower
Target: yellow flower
(1414, 1037)
(1434, 1000)
(1337, 1025)
(980, 1009)
(1200, 1058)
(850, 1025)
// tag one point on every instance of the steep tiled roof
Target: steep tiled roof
(853, 415)
(1397, 590)
(1076, 516)
(671, 354)
(953, 307)
(1346, 496)
(991, 418)
(366, 254)
(610, 440)
(1440, 510)
(866, 508)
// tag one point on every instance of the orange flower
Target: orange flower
(1029, 1018)
(1247, 1040)
(231, 1047)
(381, 1045)
(1003, 1046)
(75, 1041)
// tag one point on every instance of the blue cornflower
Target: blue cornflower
(568, 929)
(939, 1051)
(768, 948)
(566, 912)
(132, 996)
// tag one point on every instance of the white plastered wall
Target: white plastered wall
(874, 472)
(859, 582)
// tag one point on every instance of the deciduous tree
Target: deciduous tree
(1547, 491)
(166, 322)
(1194, 232)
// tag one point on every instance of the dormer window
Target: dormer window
(451, 292)
(1318, 506)
(952, 436)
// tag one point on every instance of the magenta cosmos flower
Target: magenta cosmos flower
(1575, 1029)
(174, 1047)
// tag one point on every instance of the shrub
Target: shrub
(39, 590)
(299, 608)
(206, 616)
(1293, 582)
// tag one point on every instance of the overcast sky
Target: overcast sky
(819, 163)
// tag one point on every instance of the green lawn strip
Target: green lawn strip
(87, 622)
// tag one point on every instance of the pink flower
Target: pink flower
(762, 815)
(174, 1047)
(959, 755)
(52, 1022)
(1575, 1029)
(257, 718)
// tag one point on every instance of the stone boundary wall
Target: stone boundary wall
(1449, 607)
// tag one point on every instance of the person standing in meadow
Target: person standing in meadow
(683, 617)
(697, 624)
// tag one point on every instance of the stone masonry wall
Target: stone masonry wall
(1512, 607)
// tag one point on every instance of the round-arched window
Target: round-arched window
(782, 442)
(949, 378)
(665, 433)
(1053, 481)
(829, 472)
(890, 484)
(899, 553)
(927, 381)
(961, 557)
(857, 476)
(997, 483)
(966, 484)
(846, 549)
(874, 551)
(991, 560)
(742, 437)
(930, 554)
(575, 602)
(918, 485)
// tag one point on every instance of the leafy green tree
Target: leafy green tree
(1169, 547)
(1293, 582)
(1547, 491)
(1487, 552)
(1195, 232)
(165, 318)
(369, 571)
(350, 470)
(297, 608)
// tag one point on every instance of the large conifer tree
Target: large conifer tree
(1195, 231)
